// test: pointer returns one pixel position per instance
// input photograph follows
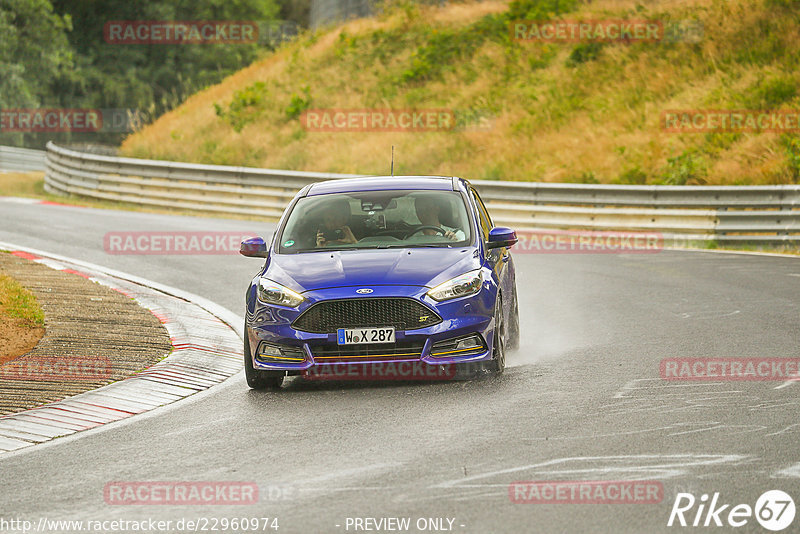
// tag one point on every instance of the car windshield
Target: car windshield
(376, 219)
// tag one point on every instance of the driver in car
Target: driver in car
(428, 210)
(334, 229)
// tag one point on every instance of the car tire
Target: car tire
(513, 325)
(498, 362)
(256, 378)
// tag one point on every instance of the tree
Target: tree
(33, 51)
(53, 54)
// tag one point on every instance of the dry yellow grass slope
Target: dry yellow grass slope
(575, 112)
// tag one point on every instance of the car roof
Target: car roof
(383, 183)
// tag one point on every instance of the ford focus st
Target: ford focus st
(365, 271)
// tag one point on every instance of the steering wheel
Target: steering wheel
(421, 228)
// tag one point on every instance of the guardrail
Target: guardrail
(761, 214)
(21, 159)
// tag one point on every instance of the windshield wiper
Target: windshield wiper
(329, 249)
(374, 247)
(418, 245)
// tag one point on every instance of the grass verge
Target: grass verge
(16, 302)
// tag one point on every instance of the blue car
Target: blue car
(404, 270)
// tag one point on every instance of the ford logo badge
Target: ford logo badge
(364, 291)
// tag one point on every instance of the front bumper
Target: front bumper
(460, 317)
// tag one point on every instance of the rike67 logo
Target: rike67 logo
(774, 510)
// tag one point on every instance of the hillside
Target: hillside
(524, 110)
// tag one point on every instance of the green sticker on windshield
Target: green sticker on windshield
(288, 243)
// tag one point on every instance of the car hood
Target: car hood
(411, 266)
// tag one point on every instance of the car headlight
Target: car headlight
(270, 292)
(460, 286)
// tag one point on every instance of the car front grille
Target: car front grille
(402, 313)
(332, 353)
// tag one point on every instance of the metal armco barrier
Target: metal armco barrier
(21, 159)
(759, 214)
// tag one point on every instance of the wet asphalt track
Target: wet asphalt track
(582, 401)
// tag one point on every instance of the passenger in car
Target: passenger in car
(334, 228)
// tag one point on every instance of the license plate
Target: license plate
(354, 336)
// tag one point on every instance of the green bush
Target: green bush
(538, 9)
(442, 49)
(635, 176)
(298, 104)
(687, 166)
(345, 44)
(783, 4)
(245, 106)
(771, 93)
(584, 52)
(791, 144)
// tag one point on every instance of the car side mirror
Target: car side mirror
(255, 247)
(500, 236)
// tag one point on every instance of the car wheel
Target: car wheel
(513, 325)
(256, 378)
(498, 363)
